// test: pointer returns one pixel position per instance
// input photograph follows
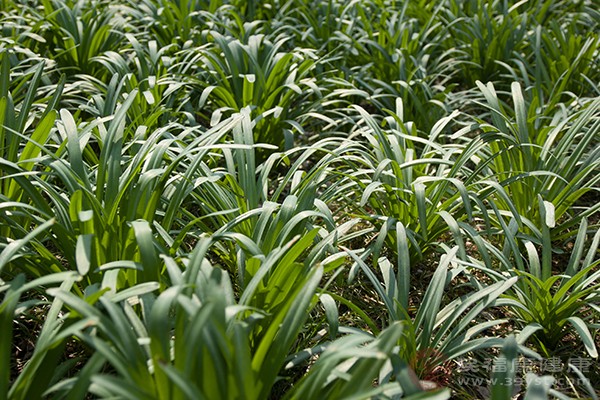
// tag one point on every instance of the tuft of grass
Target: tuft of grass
(298, 198)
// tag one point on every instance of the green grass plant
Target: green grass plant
(299, 199)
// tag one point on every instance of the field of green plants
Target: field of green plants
(299, 199)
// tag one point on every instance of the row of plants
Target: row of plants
(299, 199)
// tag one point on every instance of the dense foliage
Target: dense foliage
(302, 199)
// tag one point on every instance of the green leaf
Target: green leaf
(7, 314)
(10, 252)
(585, 335)
(83, 253)
(149, 257)
(505, 370)
(538, 387)
(331, 313)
